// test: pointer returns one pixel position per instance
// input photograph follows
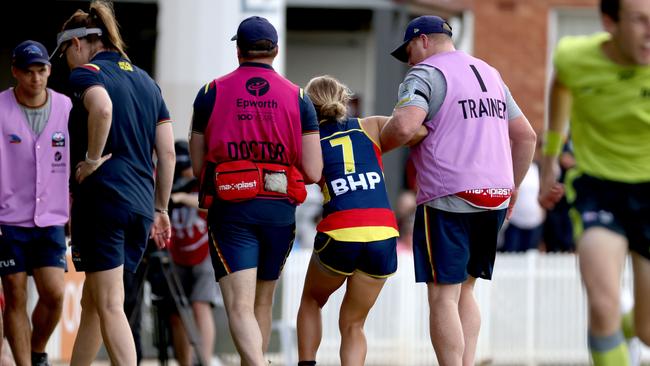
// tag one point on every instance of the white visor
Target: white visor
(69, 34)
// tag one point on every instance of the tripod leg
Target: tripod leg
(160, 305)
(161, 334)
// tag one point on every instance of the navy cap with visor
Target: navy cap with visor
(253, 29)
(69, 34)
(28, 53)
(426, 24)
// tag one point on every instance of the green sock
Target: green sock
(627, 324)
(609, 350)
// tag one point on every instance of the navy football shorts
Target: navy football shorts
(105, 236)
(621, 207)
(376, 258)
(448, 246)
(236, 246)
(24, 248)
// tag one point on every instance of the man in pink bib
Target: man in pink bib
(255, 143)
(34, 201)
(468, 167)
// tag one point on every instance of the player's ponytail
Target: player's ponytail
(330, 97)
(102, 16)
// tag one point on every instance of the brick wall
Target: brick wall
(512, 36)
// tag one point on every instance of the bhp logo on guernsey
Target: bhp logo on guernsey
(257, 86)
(364, 181)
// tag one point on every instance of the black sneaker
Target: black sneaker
(40, 359)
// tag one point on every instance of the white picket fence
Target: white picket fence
(533, 313)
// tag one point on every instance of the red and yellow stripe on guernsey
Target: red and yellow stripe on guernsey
(207, 87)
(91, 67)
(376, 147)
(221, 258)
(166, 120)
(360, 225)
(427, 236)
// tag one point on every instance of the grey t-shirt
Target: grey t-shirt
(37, 117)
(425, 87)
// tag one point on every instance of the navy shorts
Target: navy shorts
(449, 246)
(24, 248)
(237, 246)
(376, 258)
(106, 236)
(621, 207)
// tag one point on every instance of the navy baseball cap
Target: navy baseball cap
(425, 24)
(28, 53)
(253, 29)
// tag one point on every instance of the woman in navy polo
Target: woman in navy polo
(120, 120)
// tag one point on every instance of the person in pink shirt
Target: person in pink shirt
(34, 203)
(254, 143)
(469, 168)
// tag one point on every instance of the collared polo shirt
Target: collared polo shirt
(126, 179)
